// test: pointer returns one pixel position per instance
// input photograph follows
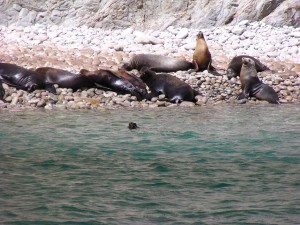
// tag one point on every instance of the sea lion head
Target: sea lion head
(132, 125)
(126, 66)
(230, 73)
(247, 62)
(249, 66)
(31, 87)
(200, 35)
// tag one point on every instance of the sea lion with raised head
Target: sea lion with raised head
(202, 57)
(65, 79)
(172, 87)
(22, 78)
(119, 81)
(252, 86)
(157, 63)
(235, 65)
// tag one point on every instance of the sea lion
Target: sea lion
(202, 57)
(172, 87)
(157, 63)
(119, 81)
(65, 79)
(22, 78)
(235, 65)
(132, 125)
(252, 86)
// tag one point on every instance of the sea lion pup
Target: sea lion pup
(22, 78)
(172, 87)
(235, 65)
(64, 79)
(119, 81)
(252, 86)
(202, 57)
(157, 63)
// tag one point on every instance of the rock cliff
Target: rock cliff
(148, 14)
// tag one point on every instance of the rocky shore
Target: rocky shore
(75, 48)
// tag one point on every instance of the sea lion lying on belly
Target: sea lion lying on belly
(119, 81)
(65, 79)
(22, 78)
(157, 63)
(235, 65)
(172, 87)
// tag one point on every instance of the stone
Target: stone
(238, 30)
(183, 33)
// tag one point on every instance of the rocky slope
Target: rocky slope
(148, 14)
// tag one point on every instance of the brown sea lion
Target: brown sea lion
(252, 86)
(22, 78)
(157, 63)
(65, 79)
(172, 87)
(235, 65)
(202, 57)
(119, 81)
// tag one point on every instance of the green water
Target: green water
(208, 165)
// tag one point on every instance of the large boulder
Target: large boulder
(151, 14)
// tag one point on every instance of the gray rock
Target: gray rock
(152, 14)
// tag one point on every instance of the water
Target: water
(208, 165)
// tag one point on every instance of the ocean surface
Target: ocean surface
(206, 165)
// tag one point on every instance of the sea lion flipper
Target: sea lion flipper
(2, 91)
(196, 67)
(104, 88)
(116, 74)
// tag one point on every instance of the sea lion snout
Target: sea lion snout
(200, 35)
(248, 61)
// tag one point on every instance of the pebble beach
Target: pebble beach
(75, 48)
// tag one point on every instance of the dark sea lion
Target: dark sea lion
(119, 81)
(157, 63)
(22, 78)
(252, 86)
(235, 65)
(64, 79)
(172, 87)
(202, 57)
(132, 126)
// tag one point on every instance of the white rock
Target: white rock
(238, 30)
(183, 33)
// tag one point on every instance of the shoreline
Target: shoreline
(73, 49)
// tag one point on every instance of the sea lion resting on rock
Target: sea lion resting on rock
(235, 65)
(119, 81)
(65, 79)
(172, 87)
(157, 63)
(252, 86)
(22, 78)
(202, 57)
